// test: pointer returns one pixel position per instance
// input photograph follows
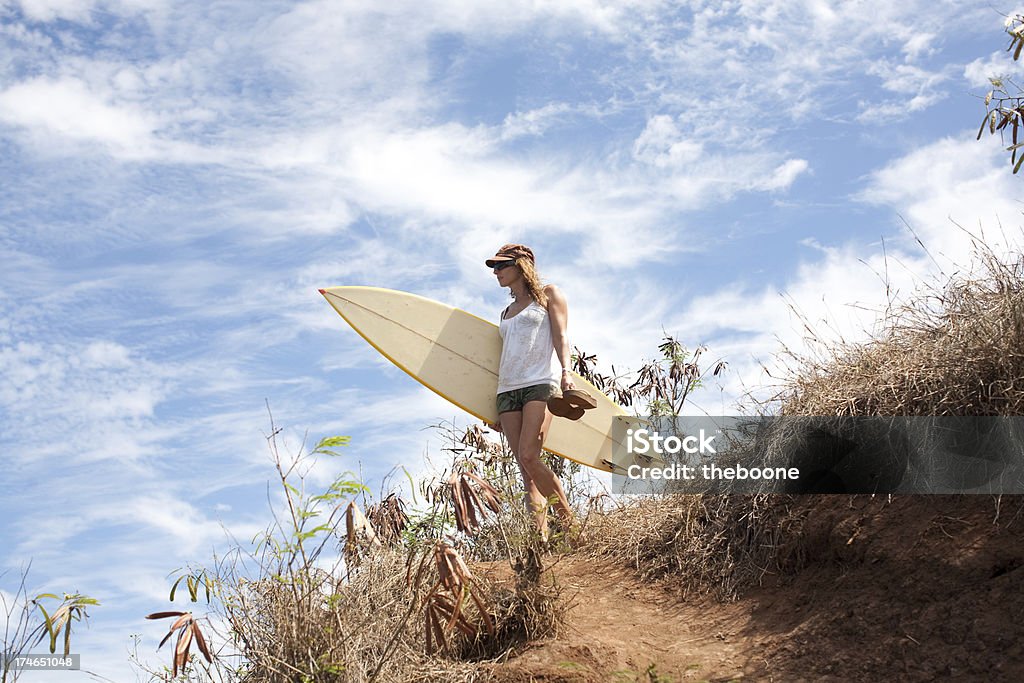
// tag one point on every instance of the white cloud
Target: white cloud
(67, 107)
(454, 177)
(22, 35)
(377, 52)
(662, 144)
(95, 391)
(369, 67)
(919, 89)
(81, 10)
(534, 121)
(453, 173)
(190, 531)
(761, 63)
(919, 45)
(997, 65)
(105, 354)
(129, 113)
(948, 182)
(784, 176)
(48, 10)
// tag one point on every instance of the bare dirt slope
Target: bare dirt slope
(916, 588)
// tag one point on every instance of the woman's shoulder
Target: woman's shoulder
(554, 294)
(552, 290)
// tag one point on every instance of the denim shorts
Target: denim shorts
(510, 401)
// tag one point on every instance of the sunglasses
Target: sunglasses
(502, 265)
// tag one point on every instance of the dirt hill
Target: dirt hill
(912, 588)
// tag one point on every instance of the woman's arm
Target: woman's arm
(558, 314)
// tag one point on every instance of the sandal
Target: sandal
(571, 404)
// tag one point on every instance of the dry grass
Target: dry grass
(956, 349)
(535, 609)
(703, 544)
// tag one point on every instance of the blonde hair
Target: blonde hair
(533, 283)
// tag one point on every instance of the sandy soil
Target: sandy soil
(917, 588)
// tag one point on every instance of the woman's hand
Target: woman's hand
(493, 427)
(567, 382)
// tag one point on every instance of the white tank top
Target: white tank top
(527, 352)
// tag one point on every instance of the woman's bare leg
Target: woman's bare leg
(536, 502)
(535, 422)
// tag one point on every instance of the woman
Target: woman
(533, 368)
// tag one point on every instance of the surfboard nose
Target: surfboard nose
(321, 291)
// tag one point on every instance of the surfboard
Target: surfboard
(455, 354)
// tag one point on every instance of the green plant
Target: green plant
(20, 635)
(71, 608)
(281, 604)
(193, 583)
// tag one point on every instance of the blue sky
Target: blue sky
(180, 177)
